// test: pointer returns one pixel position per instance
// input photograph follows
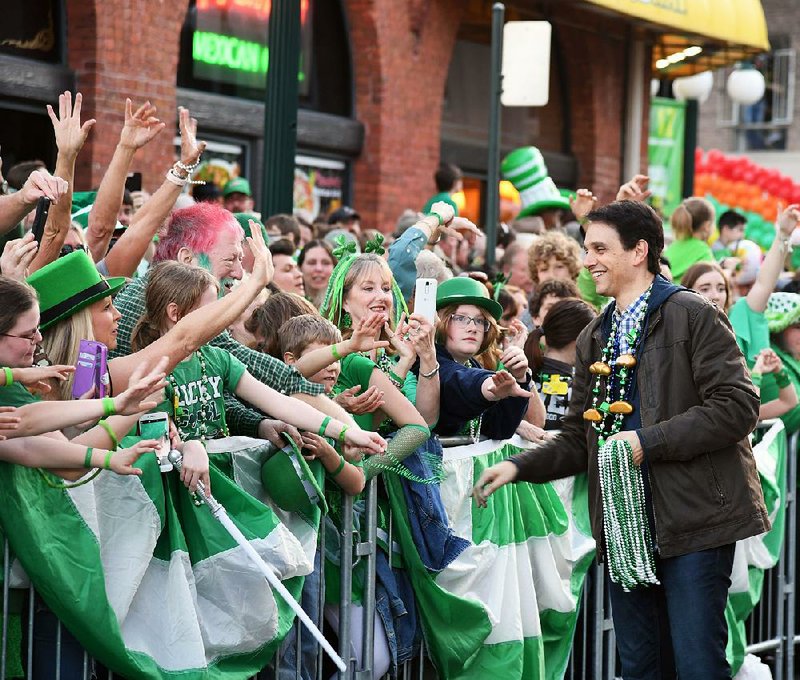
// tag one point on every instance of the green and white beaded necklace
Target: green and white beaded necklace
(625, 525)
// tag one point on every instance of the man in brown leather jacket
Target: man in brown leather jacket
(693, 408)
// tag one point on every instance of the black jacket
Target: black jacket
(697, 407)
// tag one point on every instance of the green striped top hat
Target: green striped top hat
(526, 170)
(289, 481)
(68, 285)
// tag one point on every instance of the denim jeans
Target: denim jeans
(676, 629)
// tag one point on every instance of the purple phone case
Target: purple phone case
(91, 370)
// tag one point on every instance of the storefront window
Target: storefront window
(32, 30)
(318, 185)
(224, 50)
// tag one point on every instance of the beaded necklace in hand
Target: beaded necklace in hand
(627, 533)
(205, 397)
(606, 417)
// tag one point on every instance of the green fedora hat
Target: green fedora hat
(462, 290)
(68, 285)
(526, 170)
(289, 481)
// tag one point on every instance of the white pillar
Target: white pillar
(634, 109)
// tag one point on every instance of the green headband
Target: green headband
(345, 253)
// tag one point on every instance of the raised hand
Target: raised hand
(140, 126)
(502, 385)
(40, 184)
(583, 203)
(516, 363)
(397, 340)
(17, 257)
(263, 268)
(191, 149)
(419, 333)
(517, 334)
(634, 189)
(358, 404)
(492, 479)
(70, 134)
(444, 210)
(788, 219)
(122, 461)
(141, 385)
(364, 334)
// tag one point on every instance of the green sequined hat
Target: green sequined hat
(346, 254)
(783, 310)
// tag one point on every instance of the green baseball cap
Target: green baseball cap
(238, 185)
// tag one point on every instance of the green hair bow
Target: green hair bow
(345, 252)
(498, 283)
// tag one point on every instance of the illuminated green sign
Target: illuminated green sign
(244, 56)
(223, 50)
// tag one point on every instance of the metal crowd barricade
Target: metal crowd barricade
(771, 628)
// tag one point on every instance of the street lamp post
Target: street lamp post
(280, 107)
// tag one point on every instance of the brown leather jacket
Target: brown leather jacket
(697, 406)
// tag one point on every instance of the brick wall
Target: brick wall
(401, 52)
(119, 49)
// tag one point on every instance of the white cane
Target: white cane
(221, 515)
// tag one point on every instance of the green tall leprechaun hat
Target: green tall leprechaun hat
(526, 170)
(69, 284)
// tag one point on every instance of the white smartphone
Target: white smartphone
(425, 299)
(156, 426)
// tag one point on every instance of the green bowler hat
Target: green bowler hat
(289, 481)
(68, 285)
(526, 170)
(783, 310)
(462, 290)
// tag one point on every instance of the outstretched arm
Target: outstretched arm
(772, 266)
(132, 245)
(196, 329)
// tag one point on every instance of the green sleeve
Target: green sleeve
(16, 395)
(356, 370)
(224, 364)
(409, 388)
(752, 333)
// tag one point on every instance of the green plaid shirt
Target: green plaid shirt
(241, 420)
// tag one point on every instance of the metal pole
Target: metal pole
(367, 549)
(791, 551)
(689, 145)
(493, 166)
(280, 107)
(346, 585)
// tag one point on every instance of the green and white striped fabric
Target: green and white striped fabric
(150, 584)
(531, 548)
(756, 554)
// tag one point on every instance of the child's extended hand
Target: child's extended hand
(194, 467)
(318, 447)
(767, 362)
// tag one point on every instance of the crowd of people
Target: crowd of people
(292, 370)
